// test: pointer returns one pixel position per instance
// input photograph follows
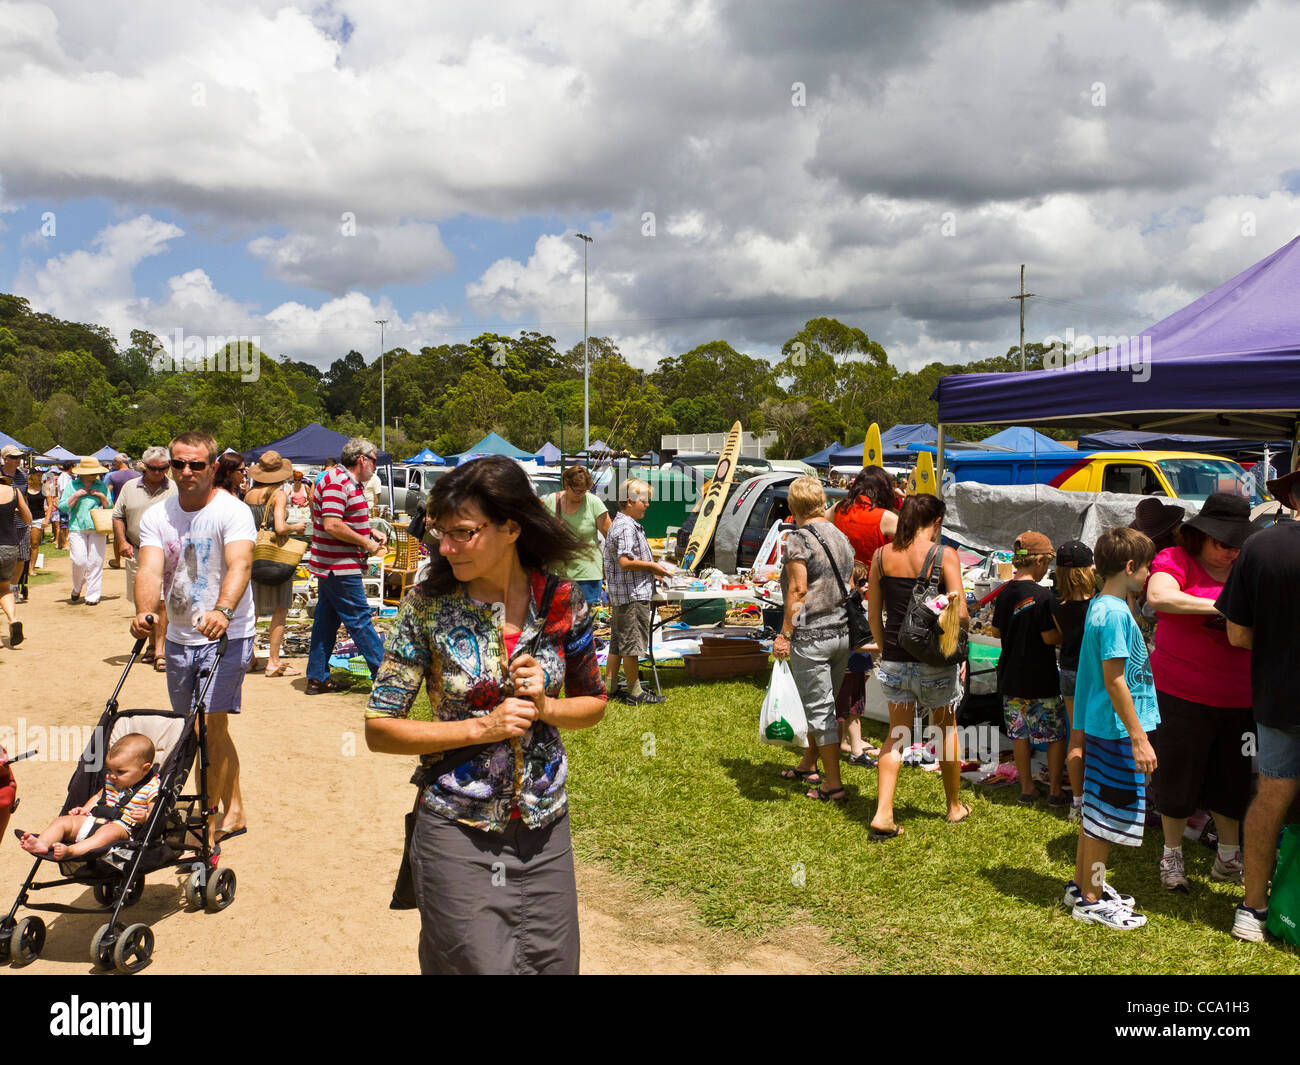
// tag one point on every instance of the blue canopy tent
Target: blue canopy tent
(8, 441)
(426, 458)
(106, 453)
(312, 445)
(58, 454)
(1228, 362)
(492, 444)
(549, 454)
(823, 457)
(893, 446)
(1022, 438)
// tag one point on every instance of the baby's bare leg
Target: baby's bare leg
(61, 828)
(101, 837)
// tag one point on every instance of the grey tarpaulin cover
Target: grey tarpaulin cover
(988, 517)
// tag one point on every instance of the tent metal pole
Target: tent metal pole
(938, 472)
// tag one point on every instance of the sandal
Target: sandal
(806, 775)
(838, 796)
(958, 820)
(148, 656)
(320, 687)
(881, 835)
(283, 670)
(864, 760)
(160, 665)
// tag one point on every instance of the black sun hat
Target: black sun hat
(1156, 519)
(1224, 517)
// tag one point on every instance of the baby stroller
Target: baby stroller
(174, 836)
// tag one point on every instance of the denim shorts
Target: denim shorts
(1068, 677)
(915, 682)
(1279, 752)
(185, 663)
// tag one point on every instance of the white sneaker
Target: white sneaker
(1073, 896)
(1229, 872)
(1173, 874)
(1246, 926)
(1108, 914)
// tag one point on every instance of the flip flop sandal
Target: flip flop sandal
(838, 796)
(958, 820)
(806, 775)
(864, 760)
(148, 656)
(883, 835)
(223, 835)
(160, 665)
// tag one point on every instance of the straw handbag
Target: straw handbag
(275, 559)
(103, 519)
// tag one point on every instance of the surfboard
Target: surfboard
(925, 482)
(871, 450)
(711, 504)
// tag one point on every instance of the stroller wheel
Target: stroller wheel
(103, 894)
(101, 947)
(194, 890)
(28, 940)
(6, 937)
(106, 894)
(134, 948)
(220, 890)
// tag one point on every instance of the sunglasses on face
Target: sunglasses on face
(460, 536)
(156, 469)
(196, 466)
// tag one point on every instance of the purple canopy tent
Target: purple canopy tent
(1226, 364)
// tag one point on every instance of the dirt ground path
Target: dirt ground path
(315, 871)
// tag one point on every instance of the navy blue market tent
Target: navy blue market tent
(58, 454)
(1228, 363)
(312, 445)
(893, 446)
(8, 441)
(823, 457)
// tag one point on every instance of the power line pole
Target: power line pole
(381, 322)
(1022, 297)
(586, 367)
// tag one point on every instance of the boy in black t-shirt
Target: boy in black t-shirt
(1027, 675)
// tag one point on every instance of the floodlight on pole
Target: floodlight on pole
(586, 366)
(383, 412)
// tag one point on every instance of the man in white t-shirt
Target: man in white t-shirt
(196, 552)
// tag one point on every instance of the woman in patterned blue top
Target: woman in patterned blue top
(490, 853)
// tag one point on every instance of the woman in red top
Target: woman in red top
(867, 514)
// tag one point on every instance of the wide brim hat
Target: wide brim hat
(1157, 519)
(1281, 488)
(1224, 517)
(88, 467)
(271, 469)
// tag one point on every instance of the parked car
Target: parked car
(410, 485)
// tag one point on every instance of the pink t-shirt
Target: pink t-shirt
(1191, 661)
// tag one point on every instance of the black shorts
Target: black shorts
(1202, 758)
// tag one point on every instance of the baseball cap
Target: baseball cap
(11, 452)
(1033, 543)
(1074, 553)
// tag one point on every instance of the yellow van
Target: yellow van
(1176, 474)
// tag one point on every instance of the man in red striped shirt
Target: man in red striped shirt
(340, 544)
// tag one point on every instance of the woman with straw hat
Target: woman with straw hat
(86, 492)
(269, 474)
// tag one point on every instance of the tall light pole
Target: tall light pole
(586, 367)
(381, 322)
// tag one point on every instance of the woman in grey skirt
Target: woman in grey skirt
(490, 853)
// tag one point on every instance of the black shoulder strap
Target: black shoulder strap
(830, 558)
(543, 612)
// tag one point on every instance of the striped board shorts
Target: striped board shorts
(1114, 792)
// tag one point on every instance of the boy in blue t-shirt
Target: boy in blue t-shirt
(1115, 707)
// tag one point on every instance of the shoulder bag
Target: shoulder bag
(275, 560)
(404, 889)
(855, 611)
(919, 633)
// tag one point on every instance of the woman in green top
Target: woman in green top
(86, 491)
(585, 515)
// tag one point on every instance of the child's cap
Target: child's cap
(1074, 553)
(1032, 543)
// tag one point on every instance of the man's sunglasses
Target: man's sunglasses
(196, 466)
(156, 469)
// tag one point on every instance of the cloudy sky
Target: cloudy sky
(295, 171)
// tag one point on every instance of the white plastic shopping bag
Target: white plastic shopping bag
(781, 721)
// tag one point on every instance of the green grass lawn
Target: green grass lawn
(682, 797)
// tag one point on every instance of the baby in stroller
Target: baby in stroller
(130, 789)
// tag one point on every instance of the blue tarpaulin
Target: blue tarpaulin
(1228, 364)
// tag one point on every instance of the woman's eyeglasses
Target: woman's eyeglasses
(460, 536)
(196, 466)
